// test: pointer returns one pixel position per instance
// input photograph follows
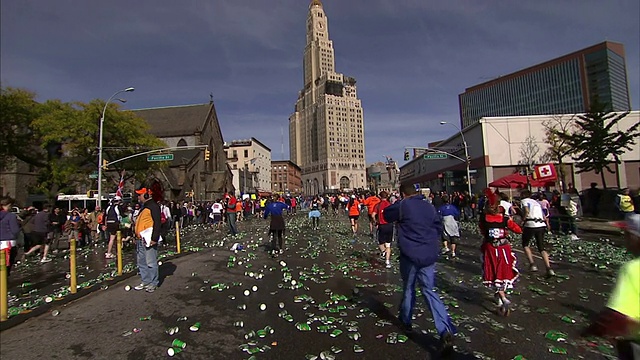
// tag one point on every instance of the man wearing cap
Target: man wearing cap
(620, 319)
(148, 227)
(113, 217)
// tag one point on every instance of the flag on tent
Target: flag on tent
(120, 185)
(546, 172)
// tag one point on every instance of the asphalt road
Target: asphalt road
(338, 286)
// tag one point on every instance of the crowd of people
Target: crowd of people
(424, 225)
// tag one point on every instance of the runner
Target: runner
(353, 209)
(216, 214)
(620, 319)
(314, 215)
(450, 214)
(535, 228)
(371, 202)
(276, 228)
(498, 260)
(384, 228)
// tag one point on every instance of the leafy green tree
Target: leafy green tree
(597, 143)
(18, 108)
(61, 140)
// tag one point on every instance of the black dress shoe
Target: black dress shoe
(446, 345)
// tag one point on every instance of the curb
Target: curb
(59, 304)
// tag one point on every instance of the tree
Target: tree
(18, 108)
(597, 141)
(61, 139)
(559, 147)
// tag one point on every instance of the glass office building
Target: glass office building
(564, 85)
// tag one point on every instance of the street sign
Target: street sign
(93, 175)
(473, 171)
(162, 157)
(435, 156)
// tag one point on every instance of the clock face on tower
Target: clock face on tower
(320, 25)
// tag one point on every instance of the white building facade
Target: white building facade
(254, 157)
(326, 130)
(495, 145)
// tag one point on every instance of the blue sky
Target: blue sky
(411, 57)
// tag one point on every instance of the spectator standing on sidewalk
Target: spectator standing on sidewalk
(94, 224)
(148, 228)
(419, 231)
(624, 203)
(9, 231)
(593, 196)
(231, 214)
(620, 319)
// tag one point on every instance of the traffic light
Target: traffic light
(104, 163)
(406, 155)
(207, 154)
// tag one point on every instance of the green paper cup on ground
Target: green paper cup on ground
(172, 351)
(177, 343)
(195, 327)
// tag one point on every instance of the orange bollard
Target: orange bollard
(4, 303)
(178, 236)
(119, 251)
(72, 259)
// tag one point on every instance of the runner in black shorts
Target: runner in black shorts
(534, 227)
(536, 234)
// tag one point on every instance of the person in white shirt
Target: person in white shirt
(216, 214)
(534, 227)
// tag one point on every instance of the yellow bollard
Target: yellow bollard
(119, 250)
(72, 257)
(178, 236)
(4, 304)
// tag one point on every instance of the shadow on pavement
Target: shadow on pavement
(430, 344)
(166, 269)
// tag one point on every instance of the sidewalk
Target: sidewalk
(598, 226)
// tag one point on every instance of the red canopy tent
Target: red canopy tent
(519, 181)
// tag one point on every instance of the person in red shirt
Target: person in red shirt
(353, 207)
(371, 202)
(384, 229)
(232, 202)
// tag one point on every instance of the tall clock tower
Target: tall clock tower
(326, 130)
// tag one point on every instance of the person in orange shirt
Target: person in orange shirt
(239, 210)
(371, 202)
(353, 207)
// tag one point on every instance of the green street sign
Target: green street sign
(435, 156)
(93, 176)
(163, 157)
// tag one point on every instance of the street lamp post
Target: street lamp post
(129, 89)
(466, 153)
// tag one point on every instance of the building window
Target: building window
(246, 153)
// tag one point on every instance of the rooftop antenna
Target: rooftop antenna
(211, 98)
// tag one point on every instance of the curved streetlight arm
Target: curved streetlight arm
(104, 110)
(466, 153)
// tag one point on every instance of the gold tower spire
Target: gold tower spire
(315, 3)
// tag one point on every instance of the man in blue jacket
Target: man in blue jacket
(419, 232)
